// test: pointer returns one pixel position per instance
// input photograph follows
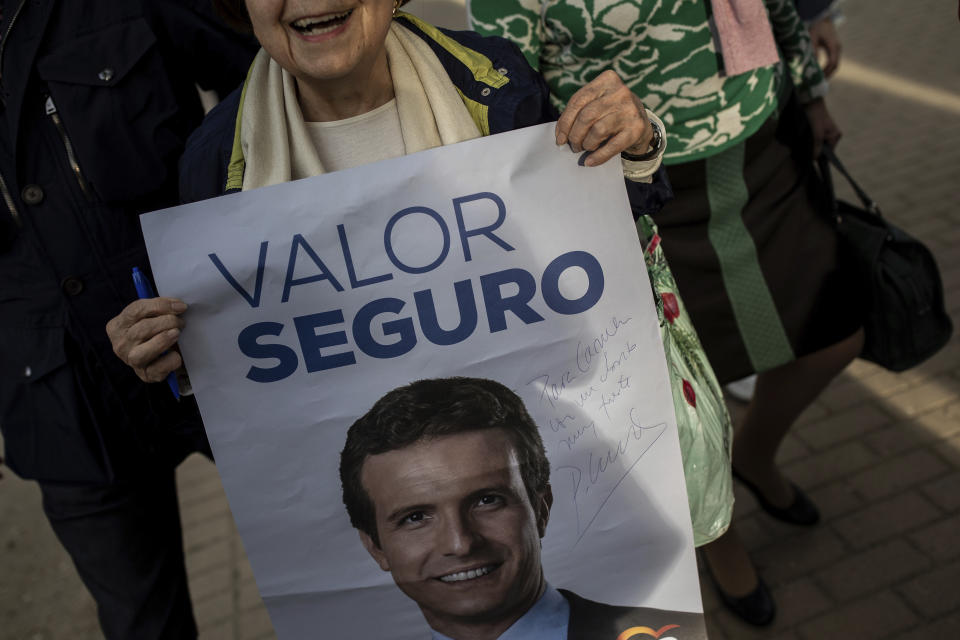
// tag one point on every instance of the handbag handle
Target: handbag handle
(829, 157)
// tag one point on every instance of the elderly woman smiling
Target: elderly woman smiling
(341, 83)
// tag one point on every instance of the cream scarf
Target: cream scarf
(277, 147)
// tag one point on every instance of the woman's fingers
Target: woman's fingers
(142, 334)
(141, 355)
(139, 310)
(148, 308)
(138, 323)
(824, 36)
(825, 129)
(612, 148)
(605, 117)
(584, 96)
(159, 369)
(147, 328)
(833, 134)
(589, 104)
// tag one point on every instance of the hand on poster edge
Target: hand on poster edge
(605, 117)
(144, 335)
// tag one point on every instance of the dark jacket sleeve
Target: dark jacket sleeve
(537, 106)
(204, 48)
(647, 198)
(203, 166)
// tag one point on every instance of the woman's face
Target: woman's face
(322, 40)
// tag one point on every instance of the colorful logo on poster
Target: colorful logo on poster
(636, 632)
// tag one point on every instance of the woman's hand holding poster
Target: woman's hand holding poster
(498, 259)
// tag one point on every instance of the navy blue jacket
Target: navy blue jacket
(96, 103)
(497, 85)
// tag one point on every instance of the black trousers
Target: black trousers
(126, 542)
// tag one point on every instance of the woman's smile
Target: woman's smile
(333, 48)
(316, 28)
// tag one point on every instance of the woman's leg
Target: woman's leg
(781, 395)
(730, 565)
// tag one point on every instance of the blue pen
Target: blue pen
(144, 290)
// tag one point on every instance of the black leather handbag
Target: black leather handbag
(905, 321)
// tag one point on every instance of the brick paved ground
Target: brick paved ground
(879, 452)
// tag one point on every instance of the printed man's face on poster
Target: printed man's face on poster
(456, 526)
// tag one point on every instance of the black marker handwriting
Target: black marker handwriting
(635, 441)
(587, 353)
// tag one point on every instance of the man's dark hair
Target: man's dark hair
(433, 408)
(234, 13)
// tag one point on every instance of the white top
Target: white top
(368, 137)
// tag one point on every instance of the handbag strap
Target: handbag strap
(829, 157)
(826, 177)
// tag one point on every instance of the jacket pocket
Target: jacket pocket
(48, 434)
(113, 94)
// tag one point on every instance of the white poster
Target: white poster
(497, 259)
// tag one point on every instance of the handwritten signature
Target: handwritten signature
(573, 433)
(608, 399)
(612, 365)
(552, 389)
(635, 442)
(586, 354)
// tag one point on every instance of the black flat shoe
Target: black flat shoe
(757, 607)
(802, 511)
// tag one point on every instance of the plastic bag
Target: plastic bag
(703, 422)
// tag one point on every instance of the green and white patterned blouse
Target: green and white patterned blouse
(664, 50)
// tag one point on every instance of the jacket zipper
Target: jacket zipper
(6, 35)
(51, 110)
(10, 203)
